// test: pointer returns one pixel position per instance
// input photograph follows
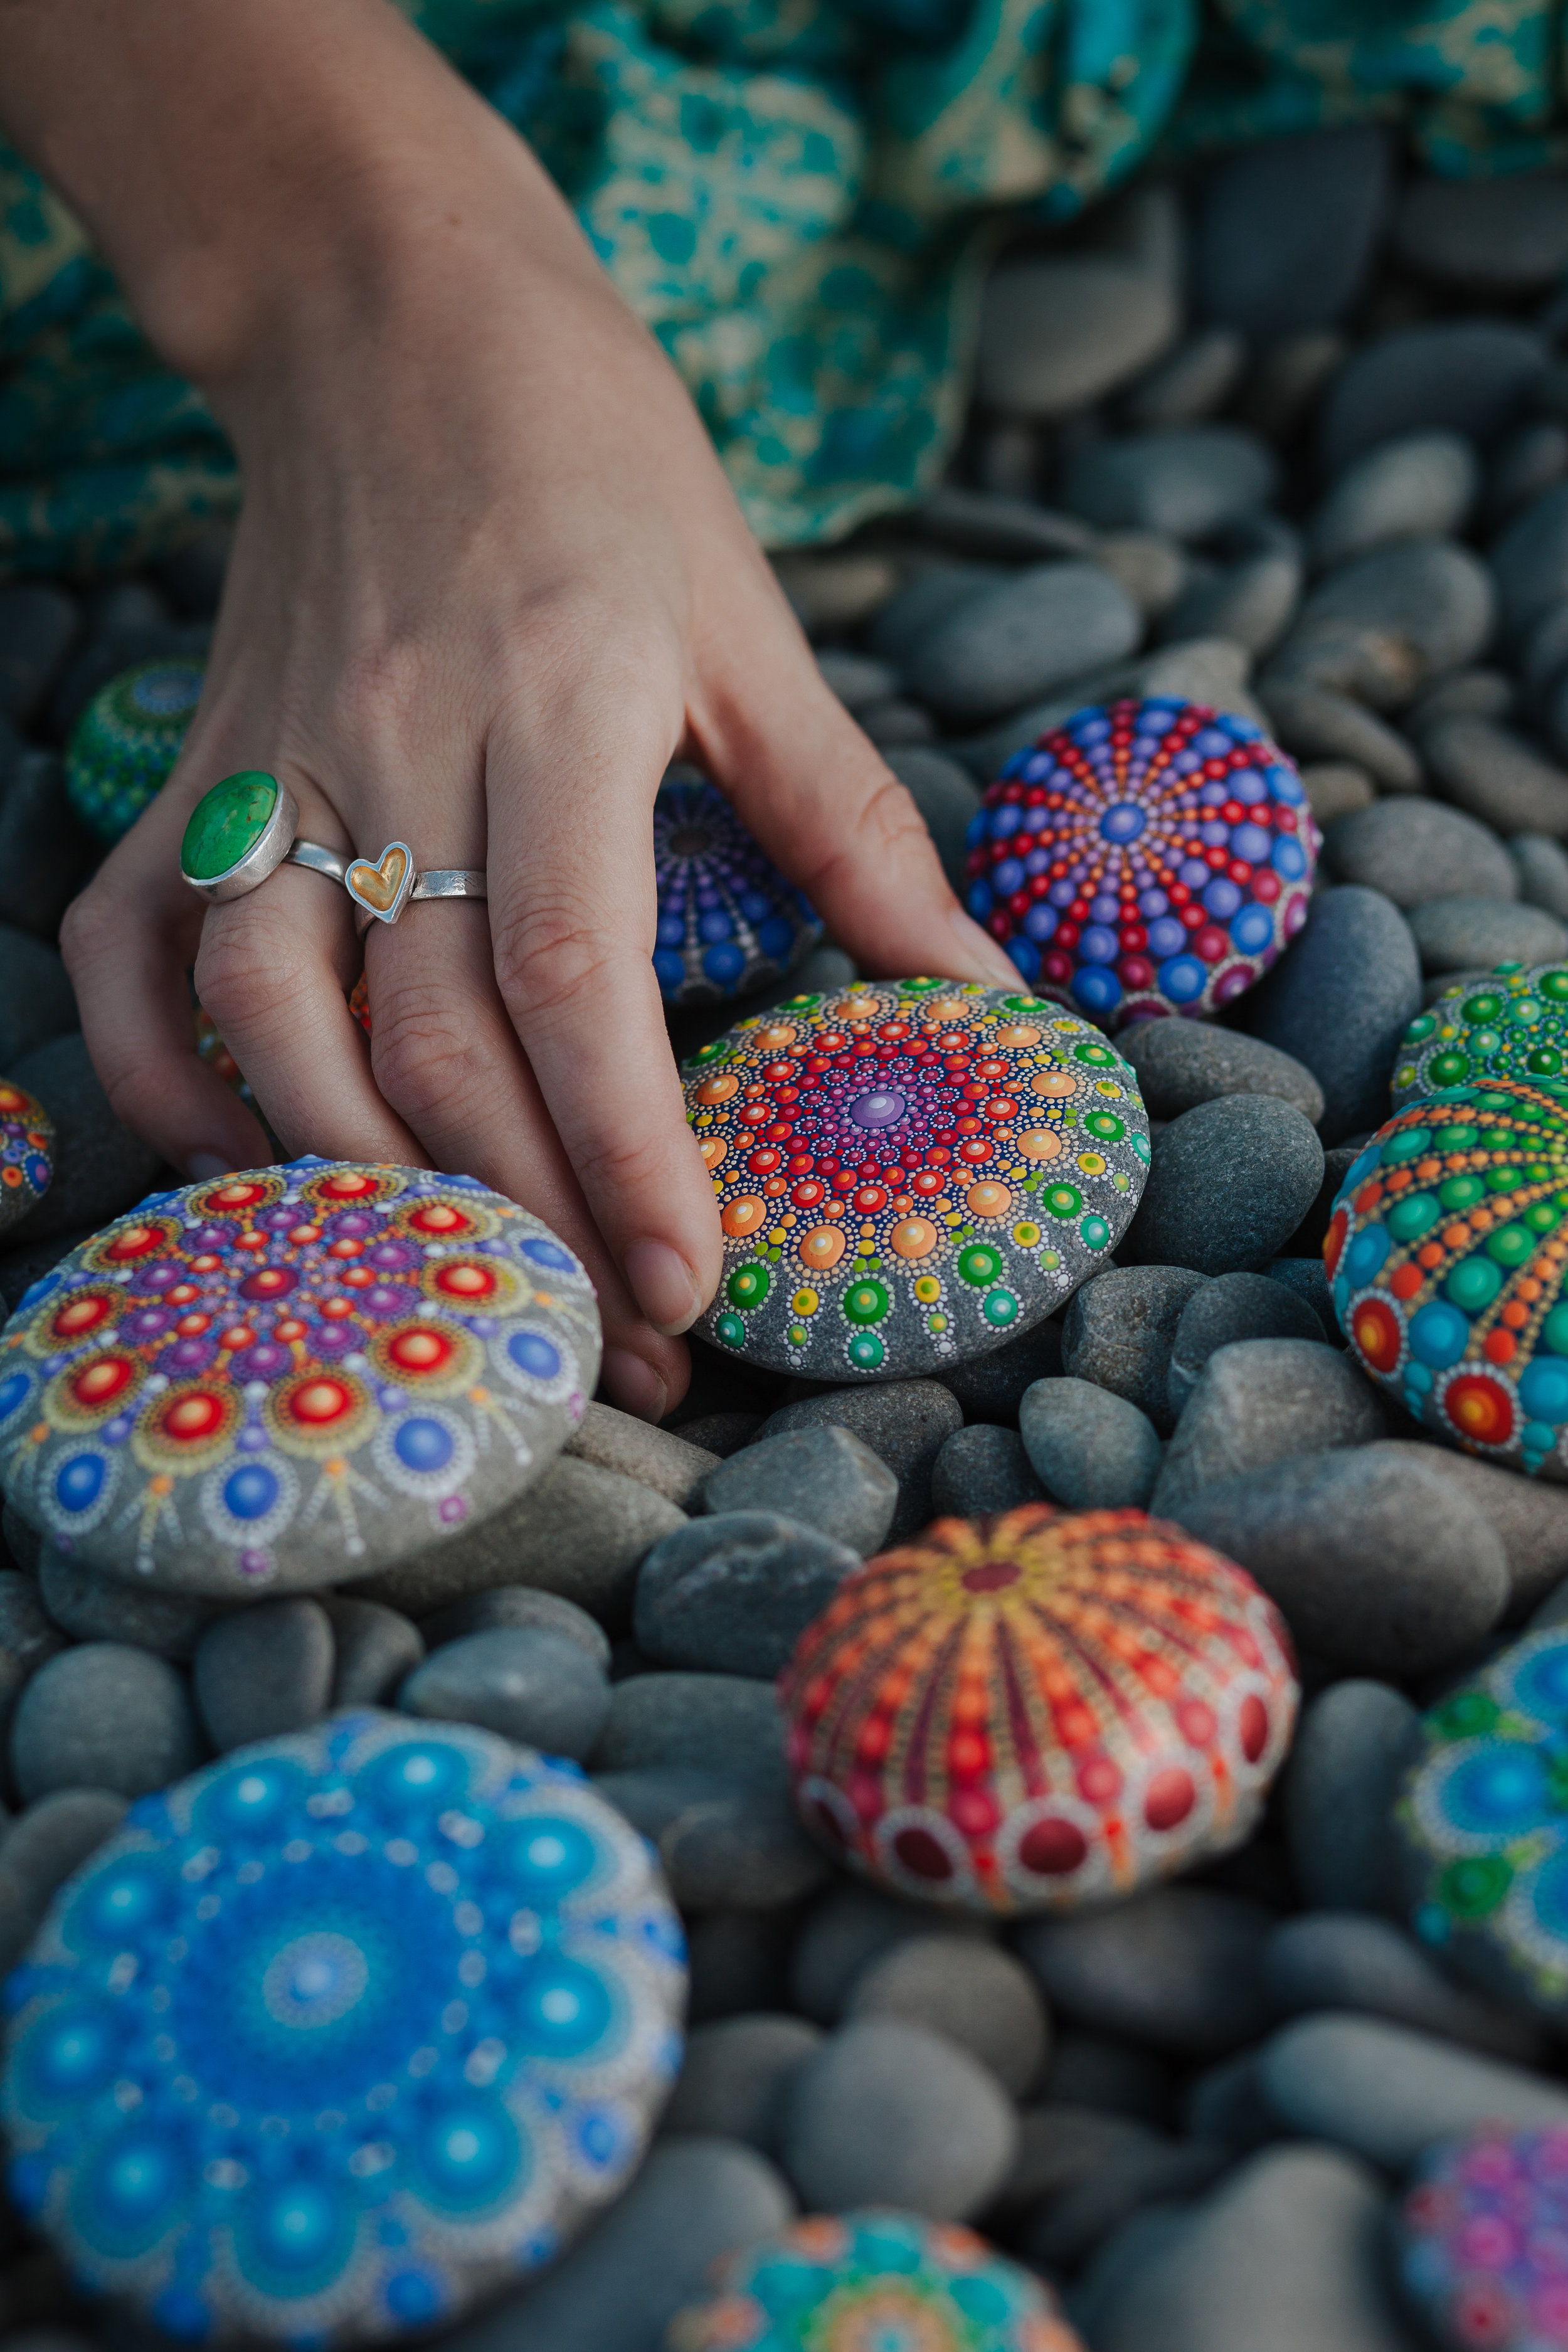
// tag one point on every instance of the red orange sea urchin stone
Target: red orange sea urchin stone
(1033, 1711)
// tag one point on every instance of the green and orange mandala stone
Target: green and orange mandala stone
(1447, 1251)
(126, 740)
(908, 1173)
(1513, 1024)
(26, 1153)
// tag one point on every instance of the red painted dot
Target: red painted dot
(1170, 1799)
(1052, 1847)
(923, 1855)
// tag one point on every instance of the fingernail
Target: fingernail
(633, 1385)
(203, 1165)
(663, 1286)
(998, 968)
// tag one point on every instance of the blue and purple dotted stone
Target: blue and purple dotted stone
(728, 921)
(1144, 858)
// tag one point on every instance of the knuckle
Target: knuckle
(249, 969)
(548, 958)
(423, 1050)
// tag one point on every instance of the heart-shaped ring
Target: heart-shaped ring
(380, 885)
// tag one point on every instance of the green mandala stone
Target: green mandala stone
(126, 740)
(227, 823)
(1515, 1026)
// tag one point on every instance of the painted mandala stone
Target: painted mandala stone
(359, 1003)
(1483, 1820)
(1446, 1252)
(873, 2282)
(26, 1152)
(217, 1057)
(1031, 1712)
(126, 740)
(910, 1174)
(341, 2033)
(1146, 857)
(1513, 1025)
(282, 1378)
(1483, 2241)
(728, 921)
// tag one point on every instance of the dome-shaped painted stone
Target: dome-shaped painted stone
(1513, 1024)
(280, 1379)
(341, 2033)
(1483, 1821)
(876, 2281)
(1145, 857)
(908, 1173)
(1446, 1252)
(126, 740)
(1483, 2241)
(217, 1057)
(728, 921)
(1031, 1712)
(359, 1002)
(26, 1152)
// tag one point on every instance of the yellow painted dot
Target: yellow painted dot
(804, 1302)
(1091, 1164)
(927, 1289)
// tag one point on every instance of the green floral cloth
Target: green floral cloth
(789, 192)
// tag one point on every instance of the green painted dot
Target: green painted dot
(865, 1352)
(1554, 1331)
(1011, 1004)
(797, 1335)
(1416, 1214)
(1473, 1284)
(1050, 1260)
(1100, 1057)
(1095, 1233)
(1000, 1308)
(1420, 1028)
(1485, 1006)
(1408, 1144)
(1524, 1012)
(1461, 1191)
(1553, 984)
(866, 1302)
(1543, 1218)
(716, 1052)
(227, 823)
(1063, 1201)
(1106, 1126)
(799, 1003)
(1472, 1888)
(748, 1286)
(978, 1264)
(1457, 1139)
(1139, 1147)
(1448, 1070)
(1543, 1061)
(1510, 1245)
(1467, 1715)
(730, 1330)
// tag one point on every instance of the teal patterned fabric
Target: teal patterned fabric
(793, 194)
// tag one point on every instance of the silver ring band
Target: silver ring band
(332, 863)
(437, 882)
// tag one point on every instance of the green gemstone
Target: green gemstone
(227, 823)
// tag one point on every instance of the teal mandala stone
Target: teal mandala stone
(1513, 1024)
(1446, 1252)
(283, 1378)
(126, 740)
(341, 2033)
(1483, 1822)
(728, 921)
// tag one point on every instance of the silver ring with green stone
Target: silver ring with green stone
(243, 830)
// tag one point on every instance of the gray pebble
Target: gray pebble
(906, 1425)
(1119, 1329)
(518, 1604)
(1177, 1969)
(990, 1388)
(1251, 600)
(1059, 332)
(1259, 1402)
(1288, 229)
(855, 678)
(848, 1931)
(824, 1477)
(1190, 385)
(721, 1433)
(1530, 561)
(999, 527)
(1526, 462)
(733, 1594)
(719, 1723)
(660, 1458)
(1288, 379)
(733, 2075)
(1469, 377)
(1060, 2146)
(372, 1649)
(1433, 597)
(946, 797)
(94, 1607)
(933, 594)
(740, 1847)
(264, 1671)
(1186, 484)
(1092, 1450)
(1343, 1772)
(28, 1636)
(1460, 933)
(1313, 722)
(896, 725)
(888, 2114)
(537, 1687)
(1415, 849)
(1336, 788)
(101, 1168)
(653, 1796)
(1419, 487)
(1101, 2071)
(1148, 2170)
(1504, 237)
(30, 1261)
(981, 1470)
(1380, 1566)
(1229, 1181)
(1542, 866)
(1020, 639)
(1345, 1959)
(1152, 567)
(40, 1851)
(1180, 1063)
(1308, 1277)
(103, 1716)
(37, 623)
(1493, 772)
(1528, 1516)
(831, 590)
(45, 852)
(1233, 1306)
(1342, 1000)
(736, 1963)
(1474, 693)
(1385, 2090)
(973, 1994)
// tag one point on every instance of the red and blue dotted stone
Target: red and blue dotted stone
(728, 921)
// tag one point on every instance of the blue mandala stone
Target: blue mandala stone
(728, 921)
(126, 740)
(342, 2034)
(291, 1376)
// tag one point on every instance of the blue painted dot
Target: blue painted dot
(1544, 1389)
(1006, 878)
(1288, 858)
(78, 1482)
(667, 968)
(724, 964)
(1440, 1334)
(1221, 900)
(1099, 944)
(1040, 923)
(1025, 955)
(978, 900)
(422, 1445)
(1167, 937)
(14, 1389)
(540, 1251)
(1124, 821)
(1096, 988)
(776, 937)
(1252, 930)
(1367, 1253)
(1251, 842)
(1182, 978)
(535, 1354)
(250, 1491)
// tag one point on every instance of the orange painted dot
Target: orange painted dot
(714, 1147)
(288, 1328)
(914, 1237)
(190, 1327)
(466, 1280)
(182, 1294)
(1429, 1254)
(1018, 1034)
(1455, 1236)
(988, 1200)
(347, 1187)
(718, 1091)
(1406, 1282)
(744, 1216)
(777, 1036)
(821, 1248)
(1515, 1315)
(1500, 1347)
(1040, 1143)
(238, 1336)
(11, 1100)
(334, 1309)
(1054, 1085)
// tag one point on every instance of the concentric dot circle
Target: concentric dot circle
(1031, 1712)
(1480, 2237)
(126, 740)
(342, 2034)
(728, 921)
(909, 1171)
(292, 1375)
(26, 1152)
(1146, 857)
(1512, 1025)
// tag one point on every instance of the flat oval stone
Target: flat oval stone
(1032, 1712)
(225, 823)
(1446, 1252)
(728, 921)
(126, 740)
(287, 1377)
(342, 2034)
(1511, 1025)
(1480, 1822)
(1146, 857)
(908, 1173)
(1478, 2236)
(26, 1152)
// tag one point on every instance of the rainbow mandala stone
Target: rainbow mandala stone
(1483, 2241)
(873, 2282)
(280, 1378)
(1483, 1822)
(126, 740)
(26, 1152)
(341, 2033)
(1146, 857)
(728, 921)
(908, 1173)
(1031, 1712)
(1511, 1025)
(1446, 1252)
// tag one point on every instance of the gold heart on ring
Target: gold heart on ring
(381, 886)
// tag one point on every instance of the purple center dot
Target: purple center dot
(880, 1107)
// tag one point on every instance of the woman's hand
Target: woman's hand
(488, 582)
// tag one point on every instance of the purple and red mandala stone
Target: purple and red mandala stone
(1144, 858)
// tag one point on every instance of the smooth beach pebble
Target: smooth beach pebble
(1464, 933)
(1147, 857)
(1090, 1449)
(1232, 1308)
(1512, 1025)
(103, 1716)
(889, 2113)
(1230, 1182)
(1414, 849)
(535, 1687)
(1180, 1063)
(1029, 1789)
(1479, 2233)
(126, 741)
(1119, 1329)
(293, 1375)
(728, 921)
(979, 1997)
(1341, 1001)
(1351, 1746)
(905, 1424)
(823, 1477)
(308, 1926)
(265, 1671)
(1175, 1968)
(983, 1469)
(908, 1173)
(26, 1153)
(733, 1594)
